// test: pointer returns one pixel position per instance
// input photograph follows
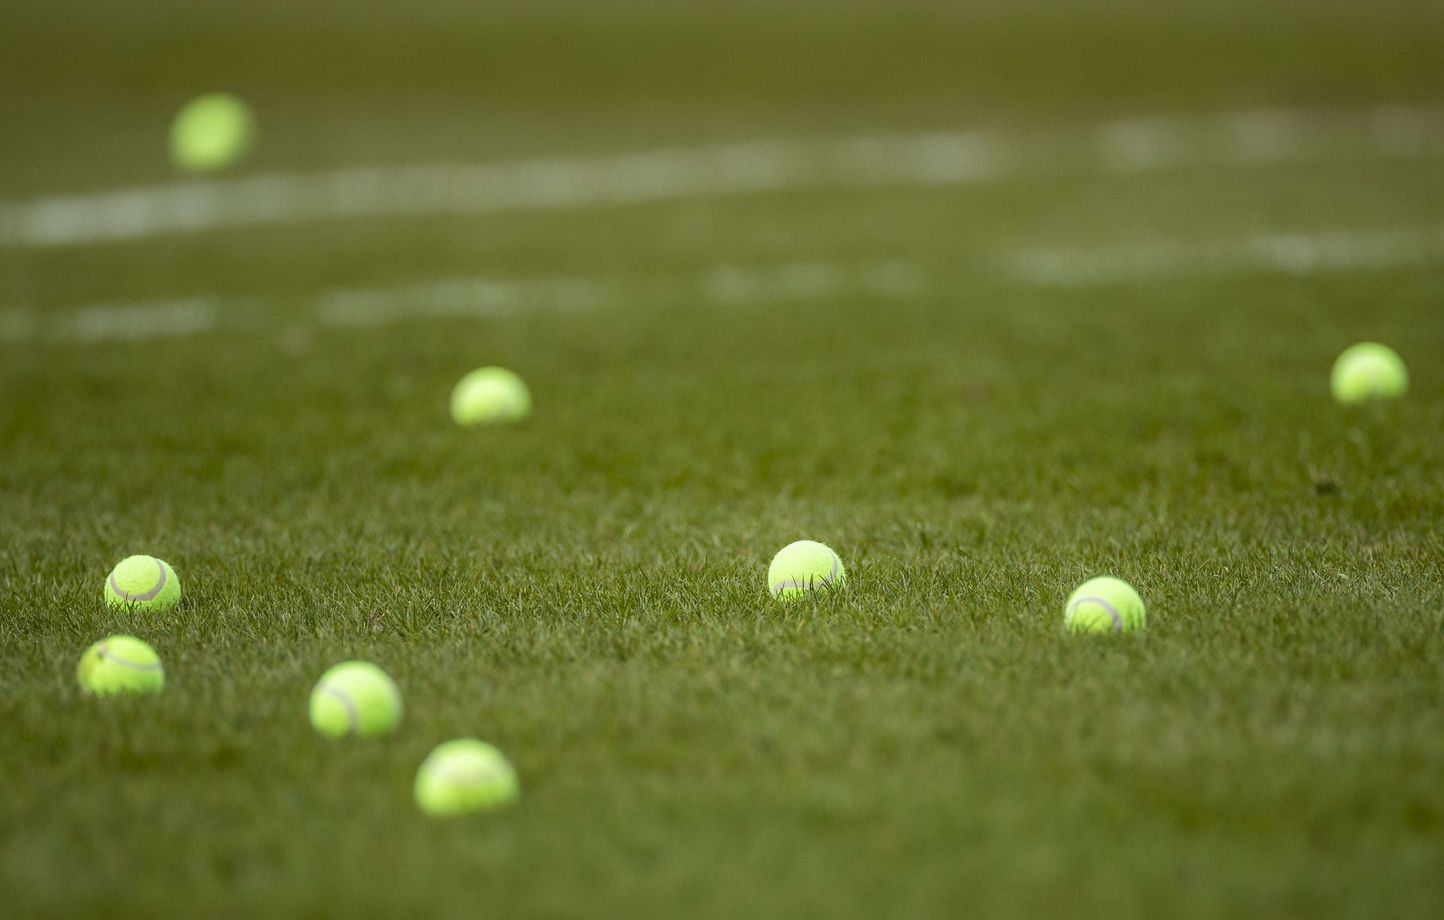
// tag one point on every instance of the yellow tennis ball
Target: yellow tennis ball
(211, 132)
(120, 665)
(143, 583)
(355, 698)
(802, 567)
(465, 775)
(1368, 371)
(1104, 605)
(490, 394)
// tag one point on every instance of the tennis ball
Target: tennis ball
(1103, 605)
(802, 566)
(465, 775)
(490, 394)
(1368, 371)
(120, 664)
(355, 698)
(211, 132)
(143, 583)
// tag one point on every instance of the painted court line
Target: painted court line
(113, 322)
(922, 160)
(729, 285)
(536, 185)
(456, 297)
(143, 322)
(735, 285)
(452, 298)
(1293, 254)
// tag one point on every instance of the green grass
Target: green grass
(588, 591)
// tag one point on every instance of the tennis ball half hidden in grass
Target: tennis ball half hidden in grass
(120, 665)
(1104, 605)
(143, 583)
(211, 133)
(355, 699)
(489, 395)
(1368, 371)
(804, 566)
(463, 776)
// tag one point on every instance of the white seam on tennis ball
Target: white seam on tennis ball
(150, 595)
(1112, 611)
(353, 718)
(106, 654)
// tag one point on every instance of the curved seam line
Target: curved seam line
(109, 656)
(148, 595)
(352, 717)
(1112, 611)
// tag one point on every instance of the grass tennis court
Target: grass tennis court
(988, 298)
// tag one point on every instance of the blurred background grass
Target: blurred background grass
(587, 590)
(89, 86)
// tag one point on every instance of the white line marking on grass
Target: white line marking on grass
(457, 297)
(731, 284)
(17, 325)
(536, 185)
(138, 322)
(1266, 137)
(1139, 145)
(1405, 130)
(1296, 254)
(927, 160)
(461, 298)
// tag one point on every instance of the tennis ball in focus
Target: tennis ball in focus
(120, 664)
(211, 132)
(355, 698)
(803, 566)
(490, 394)
(1368, 371)
(463, 776)
(143, 583)
(1104, 605)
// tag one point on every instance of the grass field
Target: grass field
(1105, 352)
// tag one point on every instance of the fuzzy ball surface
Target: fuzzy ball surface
(211, 133)
(464, 776)
(355, 699)
(120, 665)
(143, 583)
(1104, 605)
(1368, 371)
(489, 395)
(802, 567)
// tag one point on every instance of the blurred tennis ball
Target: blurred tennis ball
(803, 566)
(490, 394)
(143, 583)
(1103, 605)
(465, 775)
(120, 664)
(355, 698)
(1368, 371)
(211, 132)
